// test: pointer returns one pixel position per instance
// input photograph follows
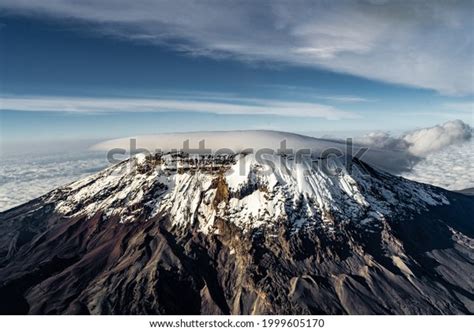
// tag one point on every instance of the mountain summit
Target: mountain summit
(299, 227)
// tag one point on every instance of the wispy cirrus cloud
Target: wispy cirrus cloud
(425, 44)
(221, 105)
(316, 94)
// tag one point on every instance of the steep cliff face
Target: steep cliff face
(230, 234)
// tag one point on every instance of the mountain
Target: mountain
(240, 232)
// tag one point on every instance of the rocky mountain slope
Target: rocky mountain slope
(172, 233)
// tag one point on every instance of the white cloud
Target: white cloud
(425, 141)
(393, 154)
(421, 142)
(439, 155)
(451, 168)
(218, 106)
(382, 140)
(315, 93)
(427, 44)
(24, 177)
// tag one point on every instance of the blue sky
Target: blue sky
(79, 70)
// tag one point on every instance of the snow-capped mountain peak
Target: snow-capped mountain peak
(251, 188)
